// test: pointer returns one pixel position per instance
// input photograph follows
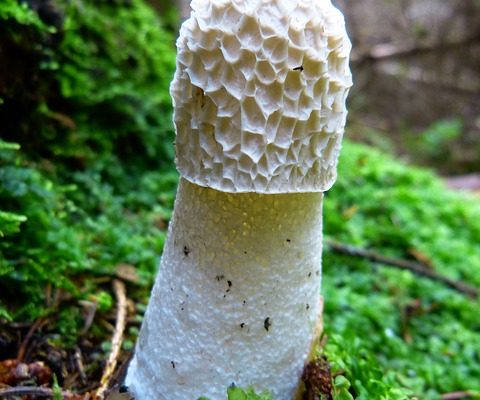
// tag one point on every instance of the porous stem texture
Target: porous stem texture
(237, 298)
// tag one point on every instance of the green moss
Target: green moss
(51, 238)
(97, 85)
(84, 89)
(40, 242)
(390, 329)
(20, 13)
(115, 66)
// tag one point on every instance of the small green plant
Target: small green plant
(236, 393)
(340, 387)
(57, 390)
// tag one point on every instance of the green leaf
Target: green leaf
(341, 386)
(10, 223)
(57, 390)
(19, 12)
(236, 393)
(9, 145)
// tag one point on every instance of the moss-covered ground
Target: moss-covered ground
(86, 192)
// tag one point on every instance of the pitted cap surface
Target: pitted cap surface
(259, 95)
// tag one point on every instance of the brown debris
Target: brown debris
(14, 372)
(127, 273)
(29, 357)
(317, 379)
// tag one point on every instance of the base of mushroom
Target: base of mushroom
(237, 298)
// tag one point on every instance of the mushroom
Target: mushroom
(259, 98)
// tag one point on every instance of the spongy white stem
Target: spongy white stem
(237, 297)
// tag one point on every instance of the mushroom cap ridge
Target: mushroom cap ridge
(259, 95)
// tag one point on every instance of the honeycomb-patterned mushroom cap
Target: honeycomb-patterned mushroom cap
(259, 95)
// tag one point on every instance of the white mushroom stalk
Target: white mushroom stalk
(259, 96)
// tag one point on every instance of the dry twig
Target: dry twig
(120, 294)
(23, 347)
(400, 50)
(469, 183)
(414, 267)
(36, 392)
(91, 310)
(457, 395)
(79, 364)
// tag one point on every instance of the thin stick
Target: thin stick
(391, 50)
(91, 308)
(79, 364)
(414, 267)
(120, 294)
(457, 395)
(33, 391)
(23, 347)
(121, 372)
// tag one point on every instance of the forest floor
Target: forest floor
(87, 187)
